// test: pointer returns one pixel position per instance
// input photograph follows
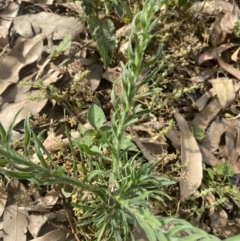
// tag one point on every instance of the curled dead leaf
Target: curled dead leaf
(212, 54)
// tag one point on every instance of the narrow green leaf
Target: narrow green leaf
(92, 174)
(2, 134)
(38, 151)
(102, 231)
(18, 175)
(9, 131)
(42, 147)
(3, 162)
(148, 231)
(27, 135)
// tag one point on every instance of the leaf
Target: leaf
(229, 149)
(21, 55)
(36, 222)
(182, 2)
(93, 174)
(207, 114)
(229, 68)
(56, 235)
(208, 157)
(28, 106)
(211, 53)
(14, 224)
(103, 32)
(3, 200)
(191, 159)
(234, 16)
(54, 26)
(225, 91)
(27, 135)
(94, 75)
(96, 116)
(213, 135)
(49, 199)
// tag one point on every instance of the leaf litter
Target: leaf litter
(39, 31)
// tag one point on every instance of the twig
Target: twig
(70, 223)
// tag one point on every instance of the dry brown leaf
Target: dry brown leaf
(6, 18)
(61, 215)
(3, 200)
(211, 53)
(1, 229)
(29, 106)
(229, 20)
(156, 147)
(211, 7)
(23, 54)
(217, 36)
(234, 56)
(52, 78)
(42, 204)
(56, 235)
(213, 136)
(225, 91)
(203, 119)
(75, 6)
(14, 93)
(88, 61)
(94, 76)
(14, 224)
(237, 126)
(224, 24)
(47, 2)
(148, 155)
(229, 68)
(204, 75)
(54, 26)
(111, 75)
(49, 199)
(174, 137)
(191, 159)
(229, 150)
(230, 139)
(14, 188)
(208, 157)
(203, 100)
(35, 222)
(218, 219)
